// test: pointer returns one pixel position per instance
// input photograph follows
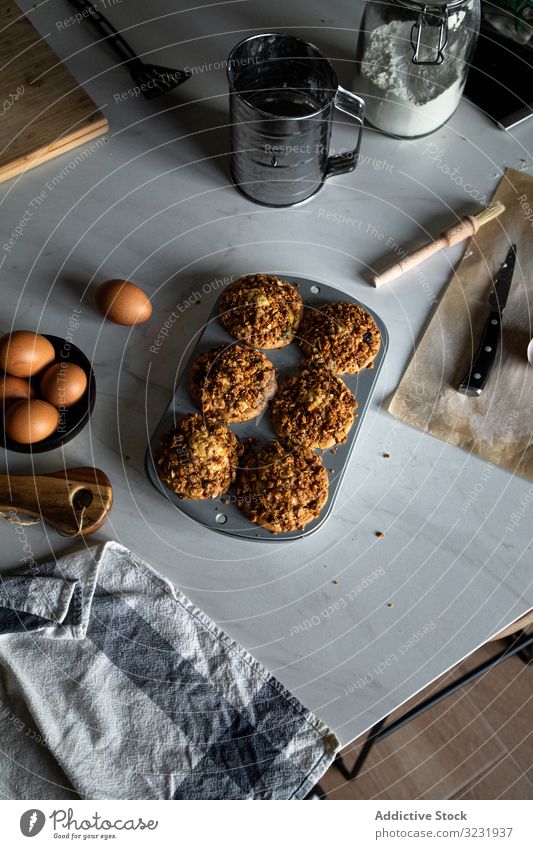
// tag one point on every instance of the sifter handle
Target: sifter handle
(354, 106)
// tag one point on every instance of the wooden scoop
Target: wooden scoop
(74, 501)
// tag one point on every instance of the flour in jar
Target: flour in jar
(405, 99)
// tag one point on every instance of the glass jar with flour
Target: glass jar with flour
(413, 60)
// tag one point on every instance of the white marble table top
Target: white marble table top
(353, 624)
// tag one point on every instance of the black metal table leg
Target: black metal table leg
(520, 646)
(350, 774)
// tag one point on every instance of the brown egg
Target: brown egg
(63, 384)
(13, 389)
(123, 302)
(23, 353)
(31, 421)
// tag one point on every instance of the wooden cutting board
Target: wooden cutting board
(44, 112)
(496, 425)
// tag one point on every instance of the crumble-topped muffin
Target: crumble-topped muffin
(313, 408)
(198, 457)
(262, 310)
(342, 335)
(232, 383)
(281, 490)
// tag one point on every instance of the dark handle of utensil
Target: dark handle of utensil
(353, 106)
(112, 35)
(477, 376)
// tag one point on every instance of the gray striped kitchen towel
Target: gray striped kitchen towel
(113, 685)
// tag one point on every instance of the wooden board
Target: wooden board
(44, 112)
(495, 425)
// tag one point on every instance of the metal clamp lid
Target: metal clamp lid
(416, 36)
(417, 5)
(430, 10)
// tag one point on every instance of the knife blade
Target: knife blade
(478, 373)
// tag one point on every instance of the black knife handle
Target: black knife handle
(476, 377)
(105, 28)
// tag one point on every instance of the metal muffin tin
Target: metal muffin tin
(222, 514)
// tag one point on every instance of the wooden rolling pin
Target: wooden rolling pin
(467, 226)
(75, 501)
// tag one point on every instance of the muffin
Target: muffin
(282, 491)
(232, 383)
(341, 335)
(262, 310)
(313, 408)
(198, 458)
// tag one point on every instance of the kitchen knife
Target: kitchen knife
(477, 375)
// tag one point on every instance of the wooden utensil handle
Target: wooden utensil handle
(468, 226)
(408, 262)
(75, 501)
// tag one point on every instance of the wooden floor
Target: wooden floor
(477, 744)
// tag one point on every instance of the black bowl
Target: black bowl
(73, 419)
